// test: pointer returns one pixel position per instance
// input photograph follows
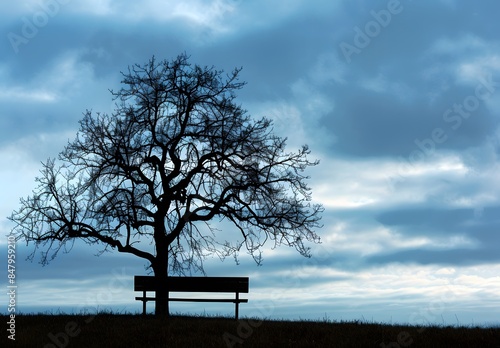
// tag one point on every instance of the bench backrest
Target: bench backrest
(194, 284)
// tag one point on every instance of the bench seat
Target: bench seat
(234, 285)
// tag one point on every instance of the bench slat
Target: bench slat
(209, 300)
(145, 298)
(241, 300)
(194, 284)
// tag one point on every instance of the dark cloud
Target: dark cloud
(481, 224)
(455, 257)
(480, 228)
(408, 105)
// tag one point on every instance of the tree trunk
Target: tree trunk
(160, 266)
(160, 269)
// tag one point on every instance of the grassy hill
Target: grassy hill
(126, 330)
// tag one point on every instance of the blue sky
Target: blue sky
(400, 100)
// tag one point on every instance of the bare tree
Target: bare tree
(176, 153)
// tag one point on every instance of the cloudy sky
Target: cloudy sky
(400, 100)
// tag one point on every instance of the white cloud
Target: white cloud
(485, 66)
(205, 14)
(466, 60)
(66, 76)
(328, 68)
(381, 84)
(365, 237)
(26, 95)
(286, 117)
(23, 158)
(314, 103)
(416, 295)
(99, 8)
(453, 46)
(355, 183)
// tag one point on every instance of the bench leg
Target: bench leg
(144, 304)
(237, 306)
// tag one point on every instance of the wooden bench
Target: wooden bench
(235, 285)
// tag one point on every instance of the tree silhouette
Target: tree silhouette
(176, 153)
